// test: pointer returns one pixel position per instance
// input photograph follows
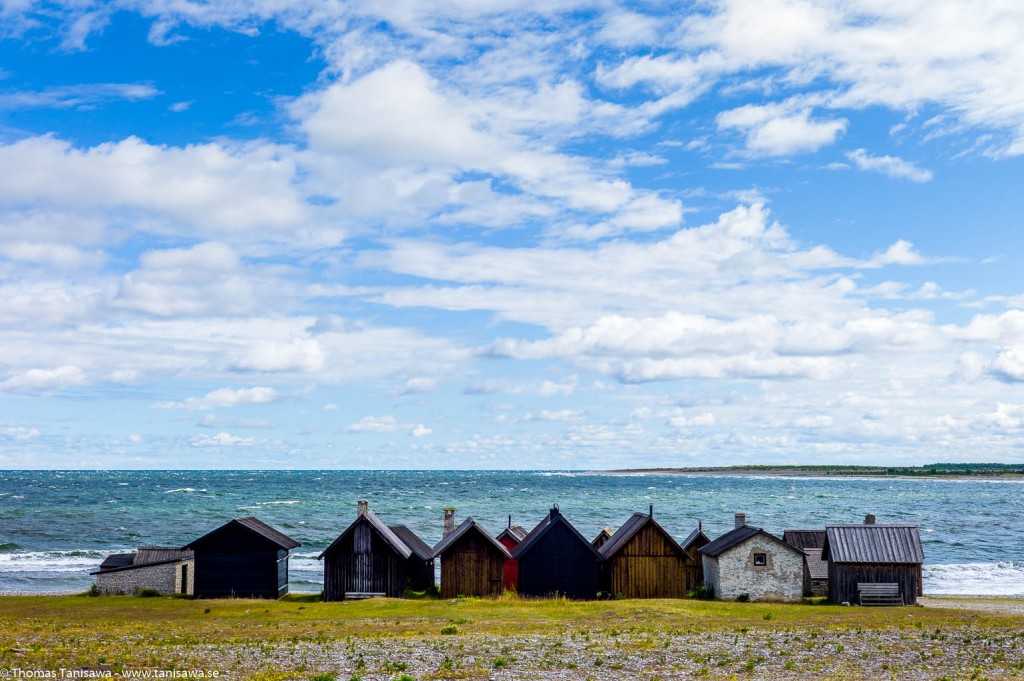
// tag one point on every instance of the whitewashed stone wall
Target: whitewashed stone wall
(165, 578)
(733, 573)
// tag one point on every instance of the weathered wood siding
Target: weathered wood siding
(562, 563)
(237, 563)
(695, 563)
(649, 566)
(363, 562)
(844, 577)
(472, 567)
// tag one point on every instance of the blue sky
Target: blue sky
(501, 234)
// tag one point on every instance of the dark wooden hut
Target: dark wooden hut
(556, 559)
(510, 538)
(872, 554)
(642, 560)
(602, 538)
(694, 558)
(243, 558)
(815, 569)
(370, 558)
(472, 561)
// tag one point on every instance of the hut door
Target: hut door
(362, 550)
(184, 579)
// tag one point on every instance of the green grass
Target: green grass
(63, 631)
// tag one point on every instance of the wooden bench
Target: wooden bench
(882, 593)
(359, 595)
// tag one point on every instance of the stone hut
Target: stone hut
(168, 570)
(747, 561)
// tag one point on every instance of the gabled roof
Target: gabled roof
(692, 538)
(552, 519)
(816, 567)
(629, 529)
(891, 544)
(804, 539)
(255, 526)
(468, 525)
(419, 548)
(738, 536)
(602, 538)
(385, 533)
(517, 532)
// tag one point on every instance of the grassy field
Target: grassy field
(299, 638)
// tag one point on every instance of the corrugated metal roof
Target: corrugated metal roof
(738, 536)
(160, 554)
(804, 539)
(419, 548)
(468, 525)
(550, 520)
(817, 567)
(379, 527)
(890, 544)
(629, 529)
(256, 526)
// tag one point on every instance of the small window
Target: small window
(760, 559)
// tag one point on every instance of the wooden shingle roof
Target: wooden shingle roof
(419, 548)
(257, 527)
(543, 527)
(816, 567)
(804, 539)
(889, 544)
(468, 525)
(738, 536)
(385, 533)
(629, 529)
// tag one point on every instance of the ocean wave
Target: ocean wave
(275, 503)
(186, 490)
(74, 561)
(1004, 578)
(9, 547)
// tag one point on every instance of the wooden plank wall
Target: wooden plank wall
(363, 562)
(559, 563)
(843, 579)
(650, 567)
(472, 567)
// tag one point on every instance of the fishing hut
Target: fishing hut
(510, 538)
(642, 560)
(555, 558)
(472, 561)
(811, 543)
(373, 559)
(749, 561)
(243, 558)
(859, 556)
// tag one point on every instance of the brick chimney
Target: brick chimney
(869, 519)
(741, 519)
(449, 520)
(362, 506)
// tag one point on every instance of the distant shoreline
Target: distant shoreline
(936, 472)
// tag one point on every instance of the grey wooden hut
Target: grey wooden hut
(472, 561)
(243, 558)
(602, 538)
(693, 543)
(642, 560)
(815, 569)
(370, 558)
(555, 558)
(872, 554)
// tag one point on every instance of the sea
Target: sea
(56, 526)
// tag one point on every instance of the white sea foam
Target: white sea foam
(977, 579)
(187, 490)
(81, 561)
(275, 503)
